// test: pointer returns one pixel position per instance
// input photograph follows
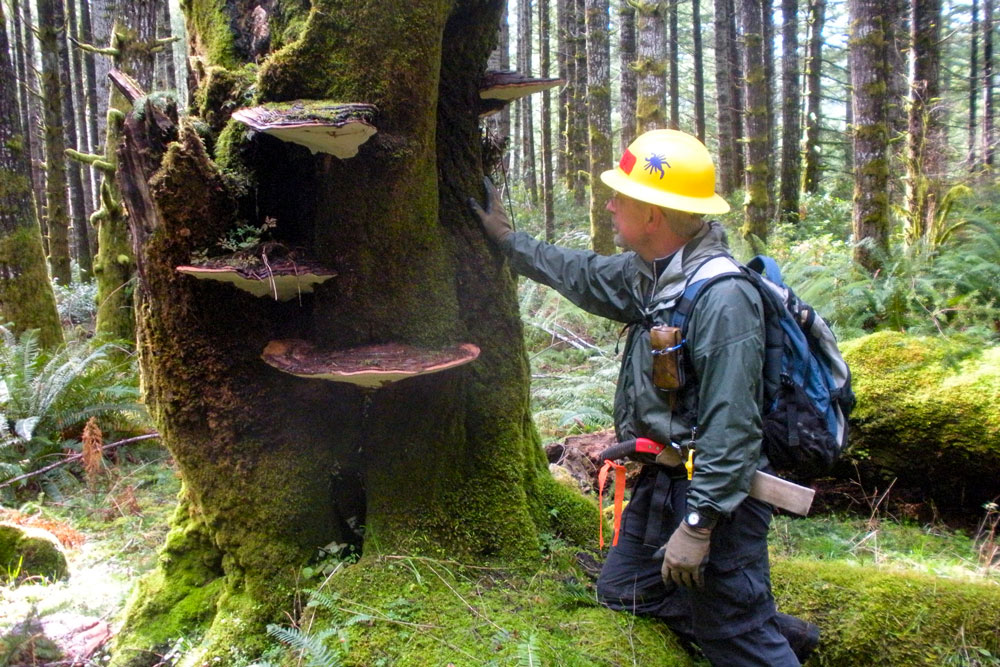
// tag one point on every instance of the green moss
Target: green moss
(26, 296)
(872, 616)
(413, 612)
(30, 552)
(212, 37)
(927, 413)
(222, 91)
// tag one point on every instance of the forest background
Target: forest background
(856, 141)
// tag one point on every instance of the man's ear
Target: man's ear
(654, 217)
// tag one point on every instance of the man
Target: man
(693, 553)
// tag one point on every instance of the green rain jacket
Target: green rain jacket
(725, 347)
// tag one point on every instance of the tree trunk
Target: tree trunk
(80, 113)
(626, 52)
(869, 76)
(651, 57)
(599, 123)
(925, 139)
(50, 23)
(767, 33)
(548, 202)
(524, 50)
(727, 174)
(24, 97)
(26, 297)
(736, 89)
(499, 124)
(811, 152)
(755, 121)
(579, 163)
(791, 92)
(275, 466)
(973, 84)
(71, 122)
(35, 128)
(566, 67)
(672, 59)
(987, 134)
(90, 76)
(699, 72)
(133, 37)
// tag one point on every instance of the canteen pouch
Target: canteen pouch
(667, 347)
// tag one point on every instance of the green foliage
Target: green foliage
(948, 282)
(46, 396)
(76, 302)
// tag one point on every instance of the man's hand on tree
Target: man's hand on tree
(684, 556)
(493, 219)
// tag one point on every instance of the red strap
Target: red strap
(602, 478)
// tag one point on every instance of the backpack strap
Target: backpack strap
(707, 273)
(766, 266)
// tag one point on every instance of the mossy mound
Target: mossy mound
(30, 552)
(926, 414)
(876, 617)
(406, 611)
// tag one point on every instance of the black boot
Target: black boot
(802, 636)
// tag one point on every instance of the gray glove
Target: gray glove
(685, 555)
(494, 219)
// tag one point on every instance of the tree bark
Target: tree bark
(275, 466)
(524, 50)
(791, 92)
(499, 123)
(599, 123)
(548, 201)
(812, 150)
(50, 23)
(26, 102)
(767, 33)
(579, 163)
(736, 86)
(566, 68)
(71, 123)
(973, 84)
(672, 60)
(73, 37)
(925, 139)
(755, 121)
(26, 297)
(90, 77)
(727, 174)
(651, 57)
(869, 77)
(699, 72)
(627, 91)
(133, 38)
(987, 133)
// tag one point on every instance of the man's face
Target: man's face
(628, 216)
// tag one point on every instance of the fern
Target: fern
(527, 652)
(47, 396)
(311, 647)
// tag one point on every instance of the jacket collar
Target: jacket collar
(668, 281)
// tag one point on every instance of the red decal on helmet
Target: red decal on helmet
(627, 161)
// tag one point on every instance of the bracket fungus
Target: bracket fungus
(337, 129)
(283, 279)
(500, 87)
(369, 366)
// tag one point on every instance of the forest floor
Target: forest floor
(113, 532)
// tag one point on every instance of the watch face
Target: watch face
(693, 519)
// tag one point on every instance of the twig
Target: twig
(77, 457)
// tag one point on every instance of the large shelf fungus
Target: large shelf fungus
(369, 366)
(499, 88)
(324, 127)
(281, 276)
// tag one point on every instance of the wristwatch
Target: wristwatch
(701, 519)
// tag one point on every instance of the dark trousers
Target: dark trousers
(732, 617)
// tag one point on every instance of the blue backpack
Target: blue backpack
(807, 384)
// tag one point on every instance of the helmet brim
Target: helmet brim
(618, 181)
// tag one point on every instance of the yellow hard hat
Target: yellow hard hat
(668, 168)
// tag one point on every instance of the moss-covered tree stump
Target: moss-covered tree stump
(927, 415)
